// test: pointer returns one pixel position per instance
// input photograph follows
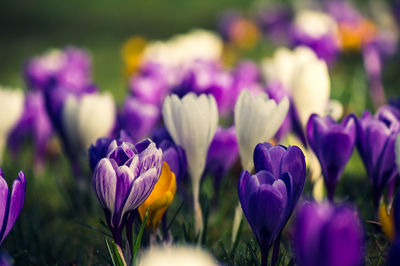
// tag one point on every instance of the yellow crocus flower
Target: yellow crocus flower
(131, 53)
(160, 198)
(387, 221)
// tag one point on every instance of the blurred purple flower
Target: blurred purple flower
(222, 154)
(329, 235)
(33, 123)
(10, 204)
(138, 118)
(70, 68)
(342, 11)
(376, 136)
(124, 179)
(151, 84)
(269, 197)
(275, 23)
(226, 21)
(333, 144)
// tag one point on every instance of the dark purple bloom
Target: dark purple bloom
(33, 123)
(70, 68)
(333, 144)
(124, 179)
(175, 157)
(328, 235)
(269, 197)
(10, 204)
(376, 136)
(138, 118)
(222, 153)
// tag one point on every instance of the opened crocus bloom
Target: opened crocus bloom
(10, 204)
(160, 198)
(124, 179)
(192, 122)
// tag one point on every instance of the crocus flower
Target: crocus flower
(376, 144)
(269, 197)
(124, 179)
(326, 234)
(177, 256)
(192, 122)
(333, 143)
(34, 123)
(318, 31)
(175, 157)
(10, 204)
(159, 199)
(87, 119)
(222, 154)
(70, 68)
(257, 119)
(138, 118)
(275, 23)
(12, 106)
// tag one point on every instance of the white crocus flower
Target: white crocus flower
(315, 24)
(176, 256)
(12, 106)
(88, 118)
(257, 119)
(192, 122)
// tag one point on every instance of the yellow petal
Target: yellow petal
(387, 222)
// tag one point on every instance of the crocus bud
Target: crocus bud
(192, 122)
(88, 118)
(333, 144)
(10, 204)
(124, 179)
(160, 198)
(376, 137)
(269, 197)
(12, 105)
(328, 235)
(257, 119)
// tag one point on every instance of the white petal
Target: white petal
(12, 105)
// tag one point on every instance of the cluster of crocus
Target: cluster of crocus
(124, 179)
(326, 234)
(192, 122)
(376, 136)
(269, 197)
(10, 203)
(333, 143)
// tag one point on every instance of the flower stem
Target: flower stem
(198, 216)
(264, 257)
(275, 253)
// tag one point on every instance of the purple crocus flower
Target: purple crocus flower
(333, 144)
(326, 234)
(269, 197)
(70, 68)
(34, 123)
(124, 179)
(10, 204)
(275, 23)
(222, 154)
(376, 136)
(138, 118)
(151, 85)
(175, 157)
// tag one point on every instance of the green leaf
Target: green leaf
(136, 246)
(110, 253)
(117, 255)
